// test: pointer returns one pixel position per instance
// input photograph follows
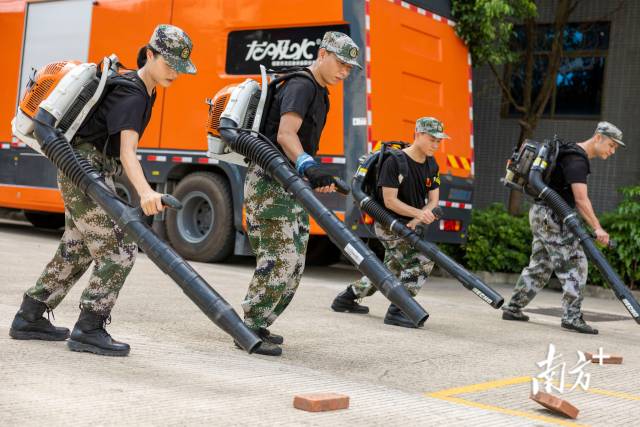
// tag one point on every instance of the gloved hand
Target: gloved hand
(318, 176)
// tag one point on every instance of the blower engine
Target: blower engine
(244, 104)
(67, 90)
(236, 122)
(520, 163)
(528, 171)
(58, 99)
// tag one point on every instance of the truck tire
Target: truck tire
(203, 229)
(125, 190)
(46, 220)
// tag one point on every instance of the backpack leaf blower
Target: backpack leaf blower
(528, 171)
(59, 97)
(235, 123)
(364, 189)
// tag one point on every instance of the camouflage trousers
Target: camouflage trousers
(554, 248)
(409, 265)
(90, 235)
(278, 229)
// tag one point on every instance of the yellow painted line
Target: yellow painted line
(609, 393)
(474, 388)
(618, 394)
(449, 396)
(506, 411)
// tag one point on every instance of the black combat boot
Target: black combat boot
(268, 336)
(346, 301)
(90, 335)
(396, 317)
(579, 325)
(30, 325)
(508, 314)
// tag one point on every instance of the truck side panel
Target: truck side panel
(419, 67)
(209, 23)
(12, 24)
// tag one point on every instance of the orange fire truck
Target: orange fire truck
(414, 65)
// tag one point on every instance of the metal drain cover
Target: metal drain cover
(589, 316)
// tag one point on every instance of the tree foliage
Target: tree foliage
(623, 226)
(486, 26)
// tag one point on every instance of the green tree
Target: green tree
(487, 27)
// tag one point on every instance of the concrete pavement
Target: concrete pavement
(466, 367)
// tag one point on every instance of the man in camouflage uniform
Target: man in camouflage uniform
(278, 226)
(554, 247)
(412, 198)
(108, 136)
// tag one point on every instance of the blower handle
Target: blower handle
(171, 202)
(341, 186)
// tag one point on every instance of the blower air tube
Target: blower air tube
(388, 220)
(271, 160)
(88, 180)
(570, 219)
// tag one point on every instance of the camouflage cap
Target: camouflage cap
(610, 130)
(175, 47)
(341, 44)
(432, 126)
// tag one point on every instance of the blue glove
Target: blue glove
(304, 161)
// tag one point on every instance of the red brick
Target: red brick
(611, 360)
(318, 402)
(556, 404)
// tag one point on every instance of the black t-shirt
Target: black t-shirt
(572, 167)
(414, 189)
(307, 98)
(124, 107)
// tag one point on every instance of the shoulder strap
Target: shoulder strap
(130, 80)
(276, 84)
(394, 148)
(403, 164)
(572, 148)
(301, 72)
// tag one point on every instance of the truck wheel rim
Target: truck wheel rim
(123, 192)
(196, 218)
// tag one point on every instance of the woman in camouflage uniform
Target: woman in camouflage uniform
(109, 137)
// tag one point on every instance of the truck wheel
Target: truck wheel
(203, 229)
(125, 190)
(322, 252)
(47, 220)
